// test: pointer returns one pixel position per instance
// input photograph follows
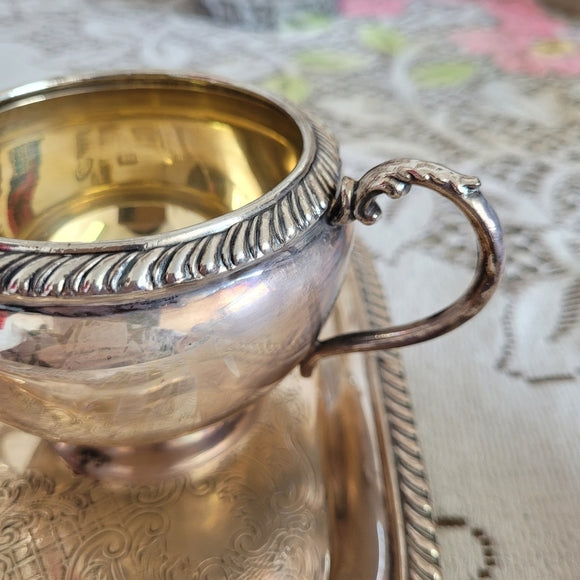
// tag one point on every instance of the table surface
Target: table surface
(488, 87)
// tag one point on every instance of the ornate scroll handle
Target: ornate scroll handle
(356, 200)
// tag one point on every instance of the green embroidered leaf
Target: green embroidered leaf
(329, 60)
(381, 38)
(442, 74)
(309, 21)
(292, 87)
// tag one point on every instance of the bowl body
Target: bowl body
(165, 256)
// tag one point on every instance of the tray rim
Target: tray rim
(413, 544)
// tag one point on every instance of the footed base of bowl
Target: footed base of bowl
(200, 452)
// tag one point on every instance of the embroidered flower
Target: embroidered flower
(366, 8)
(526, 40)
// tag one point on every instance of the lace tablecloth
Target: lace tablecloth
(489, 87)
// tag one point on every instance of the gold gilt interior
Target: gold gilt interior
(118, 162)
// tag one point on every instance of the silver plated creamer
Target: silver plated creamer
(171, 247)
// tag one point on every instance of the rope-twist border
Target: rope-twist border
(121, 272)
(423, 557)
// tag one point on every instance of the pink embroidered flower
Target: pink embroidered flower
(526, 40)
(366, 8)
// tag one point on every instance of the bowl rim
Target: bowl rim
(36, 269)
(35, 91)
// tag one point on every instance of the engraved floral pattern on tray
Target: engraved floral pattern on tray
(259, 515)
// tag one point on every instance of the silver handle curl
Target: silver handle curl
(355, 200)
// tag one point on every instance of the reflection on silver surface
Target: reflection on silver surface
(153, 168)
(301, 496)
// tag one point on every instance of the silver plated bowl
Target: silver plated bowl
(171, 247)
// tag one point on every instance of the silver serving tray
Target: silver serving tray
(327, 484)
